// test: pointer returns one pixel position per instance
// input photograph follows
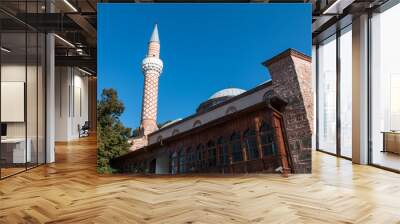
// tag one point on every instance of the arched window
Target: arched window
(191, 157)
(182, 161)
(267, 140)
(134, 168)
(237, 153)
(200, 156)
(142, 167)
(223, 152)
(173, 163)
(249, 138)
(212, 154)
(196, 123)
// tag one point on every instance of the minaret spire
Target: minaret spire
(154, 36)
(152, 67)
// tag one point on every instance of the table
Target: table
(391, 141)
(13, 150)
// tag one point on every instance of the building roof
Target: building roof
(214, 107)
(284, 54)
(171, 122)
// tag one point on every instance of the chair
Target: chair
(84, 130)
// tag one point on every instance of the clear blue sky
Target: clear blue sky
(204, 47)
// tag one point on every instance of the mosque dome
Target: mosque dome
(229, 92)
(218, 98)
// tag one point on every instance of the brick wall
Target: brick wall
(292, 81)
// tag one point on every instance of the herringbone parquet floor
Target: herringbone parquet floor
(70, 191)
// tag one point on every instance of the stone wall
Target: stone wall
(292, 81)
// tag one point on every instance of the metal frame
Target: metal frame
(369, 104)
(338, 97)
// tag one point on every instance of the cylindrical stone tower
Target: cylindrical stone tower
(152, 67)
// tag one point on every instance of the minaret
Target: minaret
(152, 67)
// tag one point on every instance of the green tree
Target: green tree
(111, 133)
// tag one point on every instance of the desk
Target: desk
(391, 141)
(13, 150)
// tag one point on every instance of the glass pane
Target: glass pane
(346, 92)
(31, 98)
(212, 154)
(237, 153)
(327, 95)
(182, 161)
(41, 99)
(13, 89)
(385, 89)
(223, 153)
(251, 144)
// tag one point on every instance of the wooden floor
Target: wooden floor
(70, 191)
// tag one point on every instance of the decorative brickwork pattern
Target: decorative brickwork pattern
(150, 98)
(152, 67)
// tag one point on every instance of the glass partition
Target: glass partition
(41, 96)
(327, 95)
(14, 153)
(385, 89)
(346, 92)
(22, 78)
(31, 97)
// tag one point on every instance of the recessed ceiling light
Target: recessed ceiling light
(70, 5)
(5, 50)
(64, 40)
(84, 71)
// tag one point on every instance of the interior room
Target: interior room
(44, 94)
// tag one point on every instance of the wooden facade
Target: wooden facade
(251, 140)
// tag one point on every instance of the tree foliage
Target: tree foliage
(112, 135)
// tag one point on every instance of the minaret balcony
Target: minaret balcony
(152, 64)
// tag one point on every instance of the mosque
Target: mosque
(265, 129)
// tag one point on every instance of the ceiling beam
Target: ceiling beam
(77, 61)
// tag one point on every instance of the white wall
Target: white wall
(71, 103)
(33, 126)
